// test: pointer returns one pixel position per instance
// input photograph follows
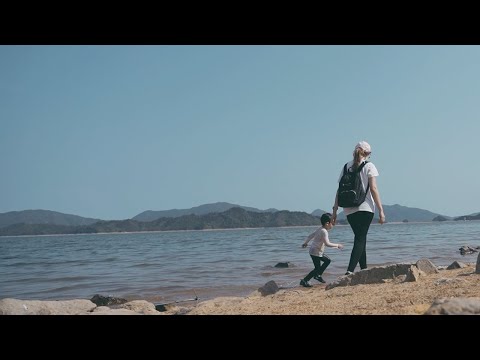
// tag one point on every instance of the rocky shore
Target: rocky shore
(399, 289)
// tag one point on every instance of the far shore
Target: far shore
(231, 229)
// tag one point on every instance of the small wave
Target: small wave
(143, 265)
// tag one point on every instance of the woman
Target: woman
(360, 217)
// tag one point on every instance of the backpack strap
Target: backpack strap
(361, 166)
(360, 169)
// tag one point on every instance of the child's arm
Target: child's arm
(307, 240)
(329, 244)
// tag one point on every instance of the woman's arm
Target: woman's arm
(330, 244)
(335, 208)
(376, 196)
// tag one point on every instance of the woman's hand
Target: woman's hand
(381, 220)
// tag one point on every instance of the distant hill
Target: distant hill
(43, 217)
(218, 207)
(232, 218)
(36, 222)
(475, 216)
(440, 218)
(399, 213)
(318, 212)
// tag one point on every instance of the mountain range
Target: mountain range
(43, 217)
(218, 207)
(207, 216)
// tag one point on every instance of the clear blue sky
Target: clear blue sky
(111, 131)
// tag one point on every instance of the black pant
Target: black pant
(319, 268)
(360, 222)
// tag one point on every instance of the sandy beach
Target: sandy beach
(390, 298)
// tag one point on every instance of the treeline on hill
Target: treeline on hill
(232, 218)
(468, 217)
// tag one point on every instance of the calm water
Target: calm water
(170, 266)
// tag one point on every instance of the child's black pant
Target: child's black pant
(319, 267)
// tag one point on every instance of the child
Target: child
(320, 240)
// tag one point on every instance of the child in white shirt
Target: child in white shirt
(320, 240)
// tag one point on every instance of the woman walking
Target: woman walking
(359, 206)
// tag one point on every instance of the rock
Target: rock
(456, 265)
(344, 280)
(180, 310)
(254, 294)
(477, 268)
(140, 307)
(105, 310)
(466, 249)
(413, 274)
(286, 264)
(269, 288)
(170, 307)
(37, 307)
(375, 275)
(443, 281)
(426, 266)
(101, 300)
(208, 306)
(456, 306)
(162, 307)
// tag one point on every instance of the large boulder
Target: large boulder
(426, 266)
(455, 306)
(375, 275)
(37, 307)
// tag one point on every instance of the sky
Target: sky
(111, 131)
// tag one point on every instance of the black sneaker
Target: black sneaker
(305, 283)
(349, 273)
(319, 278)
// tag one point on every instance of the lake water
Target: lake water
(162, 267)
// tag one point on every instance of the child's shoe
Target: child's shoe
(305, 283)
(319, 278)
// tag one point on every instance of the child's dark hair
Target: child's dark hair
(327, 217)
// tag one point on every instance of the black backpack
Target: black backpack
(350, 188)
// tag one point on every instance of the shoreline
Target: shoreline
(390, 296)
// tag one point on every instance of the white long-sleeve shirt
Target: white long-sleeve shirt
(320, 240)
